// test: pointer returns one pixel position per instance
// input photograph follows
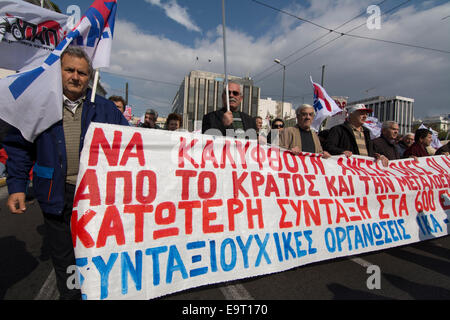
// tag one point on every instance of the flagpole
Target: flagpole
(225, 55)
(94, 86)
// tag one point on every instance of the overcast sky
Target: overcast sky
(157, 42)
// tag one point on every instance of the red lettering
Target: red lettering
(78, 228)
(138, 211)
(89, 181)
(188, 206)
(341, 213)
(299, 185)
(110, 151)
(237, 184)
(111, 226)
(201, 184)
(317, 163)
(209, 216)
(276, 160)
(283, 223)
(294, 168)
(234, 206)
(185, 175)
(242, 152)
(135, 142)
(254, 212)
(182, 153)
(363, 208)
(152, 189)
(297, 208)
(271, 186)
(227, 154)
(329, 183)
(310, 213)
(343, 186)
(258, 155)
(111, 178)
(257, 180)
(381, 214)
(311, 190)
(327, 203)
(285, 177)
(161, 220)
(208, 154)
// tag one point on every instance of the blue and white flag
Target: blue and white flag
(31, 100)
(324, 106)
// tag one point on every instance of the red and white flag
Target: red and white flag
(324, 106)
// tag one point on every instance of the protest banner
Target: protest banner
(157, 212)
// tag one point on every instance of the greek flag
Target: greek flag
(324, 106)
(31, 100)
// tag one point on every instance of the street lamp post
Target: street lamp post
(284, 76)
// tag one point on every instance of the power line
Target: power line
(351, 35)
(317, 39)
(347, 34)
(143, 79)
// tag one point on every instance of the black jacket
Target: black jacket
(341, 138)
(213, 120)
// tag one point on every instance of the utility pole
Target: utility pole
(323, 73)
(126, 93)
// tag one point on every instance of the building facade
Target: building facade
(274, 109)
(437, 123)
(397, 108)
(201, 92)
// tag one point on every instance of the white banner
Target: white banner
(157, 212)
(28, 33)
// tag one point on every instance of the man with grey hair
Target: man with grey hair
(405, 142)
(301, 138)
(54, 157)
(224, 122)
(385, 144)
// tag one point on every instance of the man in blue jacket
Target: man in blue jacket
(54, 157)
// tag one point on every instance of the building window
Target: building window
(219, 95)
(245, 102)
(210, 95)
(254, 101)
(201, 99)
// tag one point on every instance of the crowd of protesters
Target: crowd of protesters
(348, 138)
(53, 158)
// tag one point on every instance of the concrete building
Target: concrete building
(437, 123)
(200, 92)
(274, 109)
(396, 108)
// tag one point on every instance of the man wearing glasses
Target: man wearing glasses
(301, 138)
(233, 122)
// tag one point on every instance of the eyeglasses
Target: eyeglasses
(235, 93)
(278, 126)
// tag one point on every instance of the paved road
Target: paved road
(418, 271)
